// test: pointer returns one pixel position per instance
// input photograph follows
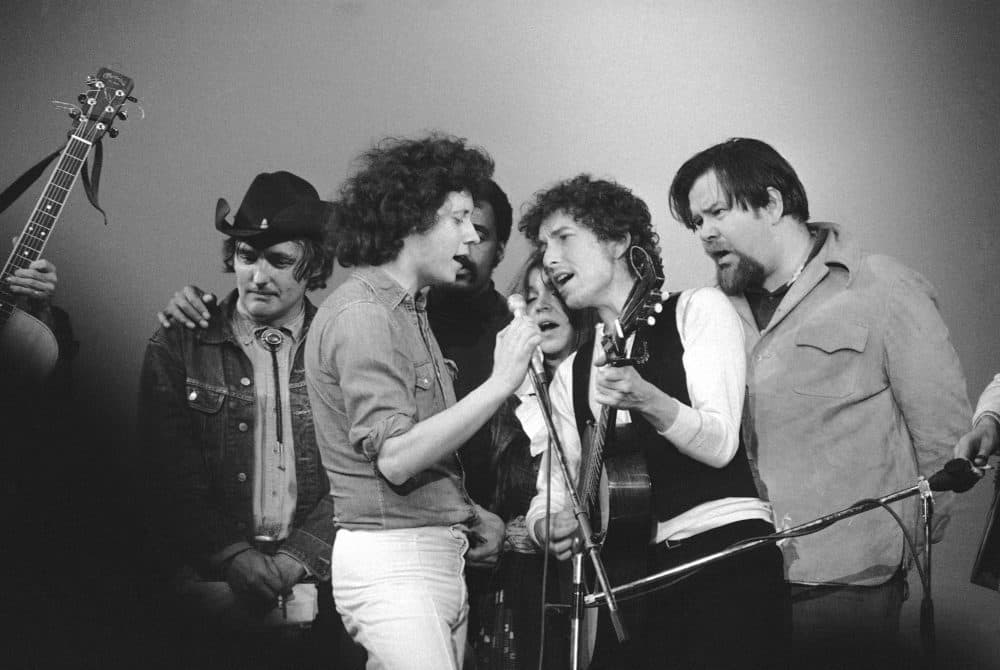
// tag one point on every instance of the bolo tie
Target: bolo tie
(272, 339)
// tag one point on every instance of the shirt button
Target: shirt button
(242, 477)
(192, 396)
(424, 381)
(245, 381)
(243, 427)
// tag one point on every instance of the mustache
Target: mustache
(715, 247)
(466, 263)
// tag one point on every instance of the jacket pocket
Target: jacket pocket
(204, 406)
(203, 399)
(828, 359)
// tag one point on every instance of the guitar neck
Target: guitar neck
(593, 463)
(37, 231)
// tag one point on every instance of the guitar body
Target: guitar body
(28, 349)
(625, 528)
(626, 499)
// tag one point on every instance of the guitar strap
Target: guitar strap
(581, 384)
(91, 182)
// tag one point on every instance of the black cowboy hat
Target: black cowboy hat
(278, 206)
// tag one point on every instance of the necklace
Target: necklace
(805, 260)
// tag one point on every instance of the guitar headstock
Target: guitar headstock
(107, 92)
(644, 302)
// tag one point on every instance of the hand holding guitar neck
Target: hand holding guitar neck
(36, 282)
(28, 349)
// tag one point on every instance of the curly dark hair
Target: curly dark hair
(400, 185)
(607, 208)
(316, 261)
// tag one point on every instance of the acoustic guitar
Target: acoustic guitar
(614, 483)
(624, 500)
(28, 349)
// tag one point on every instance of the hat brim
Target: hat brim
(306, 219)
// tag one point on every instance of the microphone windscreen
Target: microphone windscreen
(957, 475)
(516, 304)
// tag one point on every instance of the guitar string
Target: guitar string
(592, 469)
(60, 178)
(20, 257)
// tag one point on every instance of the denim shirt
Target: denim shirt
(374, 370)
(196, 418)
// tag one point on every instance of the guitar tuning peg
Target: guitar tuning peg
(650, 320)
(112, 133)
(122, 114)
(82, 98)
(658, 307)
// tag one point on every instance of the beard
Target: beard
(468, 284)
(735, 279)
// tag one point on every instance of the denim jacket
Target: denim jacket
(196, 415)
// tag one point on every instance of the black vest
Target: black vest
(679, 482)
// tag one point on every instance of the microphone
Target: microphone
(957, 475)
(516, 305)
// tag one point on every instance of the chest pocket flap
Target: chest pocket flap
(829, 359)
(832, 337)
(424, 375)
(202, 399)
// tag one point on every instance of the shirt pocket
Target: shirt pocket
(424, 390)
(828, 359)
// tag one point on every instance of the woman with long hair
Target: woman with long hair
(511, 614)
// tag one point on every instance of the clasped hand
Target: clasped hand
(263, 578)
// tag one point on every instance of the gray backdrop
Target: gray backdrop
(887, 110)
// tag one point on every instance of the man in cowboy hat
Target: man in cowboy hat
(224, 413)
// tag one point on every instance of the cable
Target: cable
(545, 557)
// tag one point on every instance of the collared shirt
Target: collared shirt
(764, 303)
(275, 491)
(374, 370)
(989, 402)
(854, 390)
(707, 430)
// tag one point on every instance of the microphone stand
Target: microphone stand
(927, 638)
(586, 539)
(659, 580)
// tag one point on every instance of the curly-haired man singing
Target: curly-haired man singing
(387, 422)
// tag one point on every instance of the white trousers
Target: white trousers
(402, 595)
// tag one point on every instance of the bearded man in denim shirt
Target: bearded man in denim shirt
(854, 390)
(225, 412)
